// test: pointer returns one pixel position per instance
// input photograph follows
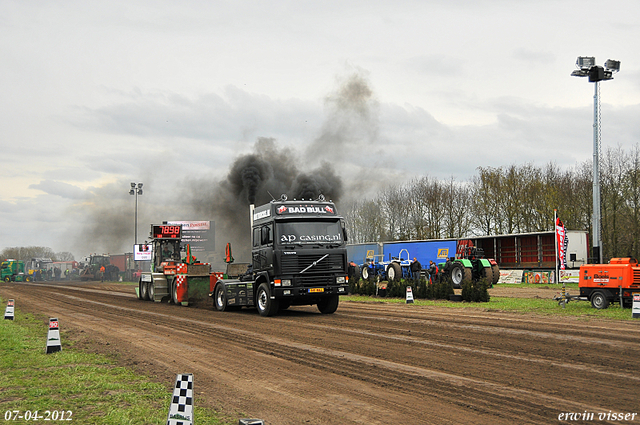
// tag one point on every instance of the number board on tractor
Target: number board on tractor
(167, 232)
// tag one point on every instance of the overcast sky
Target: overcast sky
(95, 95)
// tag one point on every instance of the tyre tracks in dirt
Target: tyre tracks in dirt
(377, 363)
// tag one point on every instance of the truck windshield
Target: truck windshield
(309, 232)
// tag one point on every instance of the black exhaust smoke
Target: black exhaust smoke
(252, 179)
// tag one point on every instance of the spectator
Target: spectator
(416, 269)
(433, 271)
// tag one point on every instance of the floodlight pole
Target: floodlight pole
(587, 68)
(136, 190)
(597, 240)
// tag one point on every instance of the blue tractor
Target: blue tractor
(395, 268)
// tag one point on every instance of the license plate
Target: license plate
(316, 290)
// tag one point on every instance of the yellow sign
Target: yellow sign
(370, 253)
(443, 253)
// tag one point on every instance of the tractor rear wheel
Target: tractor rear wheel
(151, 290)
(365, 273)
(487, 275)
(394, 271)
(356, 274)
(457, 274)
(496, 273)
(144, 295)
(468, 275)
(174, 291)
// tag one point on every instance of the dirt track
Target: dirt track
(367, 363)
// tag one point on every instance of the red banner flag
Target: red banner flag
(563, 241)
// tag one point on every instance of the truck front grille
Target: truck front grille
(320, 274)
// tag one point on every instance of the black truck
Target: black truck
(299, 257)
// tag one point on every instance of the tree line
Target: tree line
(25, 253)
(508, 200)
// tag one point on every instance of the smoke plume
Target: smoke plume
(253, 179)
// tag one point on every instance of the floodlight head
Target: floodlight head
(585, 62)
(139, 185)
(133, 185)
(580, 73)
(132, 192)
(139, 191)
(612, 65)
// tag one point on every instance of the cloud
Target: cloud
(61, 189)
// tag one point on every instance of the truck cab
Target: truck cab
(13, 271)
(299, 257)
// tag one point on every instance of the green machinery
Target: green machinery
(13, 271)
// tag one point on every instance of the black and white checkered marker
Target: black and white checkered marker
(8, 313)
(53, 337)
(181, 409)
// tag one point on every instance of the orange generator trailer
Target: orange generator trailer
(603, 284)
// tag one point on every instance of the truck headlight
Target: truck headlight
(286, 282)
(340, 279)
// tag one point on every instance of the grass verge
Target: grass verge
(90, 386)
(541, 306)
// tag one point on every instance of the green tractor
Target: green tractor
(472, 266)
(92, 266)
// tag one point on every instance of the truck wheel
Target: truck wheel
(140, 290)
(457, 274)
(599, 300)
(266, 306)
(7, 279)
(329, 305)
(365, 273)
(393, 272)
(220, 298)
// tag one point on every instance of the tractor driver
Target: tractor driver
(166, 253)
